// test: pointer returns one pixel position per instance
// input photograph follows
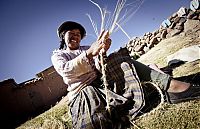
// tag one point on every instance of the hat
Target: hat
(70, 25)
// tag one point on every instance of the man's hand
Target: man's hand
(102, 44)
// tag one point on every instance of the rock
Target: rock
(172, 25)
(130, 49)
(137, 39)
(141, 52)
(169, 30)
(153, 41)
(193, 25)
(166, 23)
(159, 39)
(131, 43)
(185, 54)
(155, 32)
(142, 42)
(158, 35)
(194, 5)
(164, 33)
(182, 20)
(179, 27)
(147, 39)
(173, 33)
(139, 47)
(176, 20)
(191, 15)
(146, 49)
(195, 17)
(172, 16)
(181, 12)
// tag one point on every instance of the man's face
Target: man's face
(73, 39)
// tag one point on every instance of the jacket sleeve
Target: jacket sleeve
(67, 67)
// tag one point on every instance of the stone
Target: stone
(194, 5)
(179, 27)
(159, 39)
(173, 33)
(146, 49)
(172, 25)
(155, 32)
(163, 34)
(141, 52)
(139, 47)
(166, 23)
(195, 17)
(181, 12)
(158, 35)
(193, 25)
(172, 16)
(154, 40)
(147, 39)
(188, 54)
(190, 15)
(142, 42)
(129, 49)
(137, 39)
(176, 20)
(182, 20)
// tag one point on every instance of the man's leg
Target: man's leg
(175, 90)
(146, 74)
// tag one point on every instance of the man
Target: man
(79, 67)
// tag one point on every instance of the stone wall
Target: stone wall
(19, 101)
(183, 21)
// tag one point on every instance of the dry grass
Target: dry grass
(177, 116)
(158, 54)
(55, 118)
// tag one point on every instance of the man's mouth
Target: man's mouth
(74, 41)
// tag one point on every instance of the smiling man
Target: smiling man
(79, 67)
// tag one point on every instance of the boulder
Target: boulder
(173, 33)
(179, 27)
(166, 23)
(164, 33)
(139, 47)
(193, 25)
(194, 5)
(188, 54)
(182, 12)
(191, 14)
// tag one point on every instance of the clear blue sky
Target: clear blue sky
(28, 29)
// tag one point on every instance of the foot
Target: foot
(193, 92)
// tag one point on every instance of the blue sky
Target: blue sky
(28, 29)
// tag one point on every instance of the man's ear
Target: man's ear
(63, 34)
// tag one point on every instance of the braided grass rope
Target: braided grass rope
(112, 24)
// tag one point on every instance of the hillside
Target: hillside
(182, 116)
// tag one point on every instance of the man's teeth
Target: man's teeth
(73, 40)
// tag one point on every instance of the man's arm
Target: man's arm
(66, 67)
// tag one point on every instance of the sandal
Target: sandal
(192, 93)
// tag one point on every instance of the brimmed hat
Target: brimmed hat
(70, 25)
